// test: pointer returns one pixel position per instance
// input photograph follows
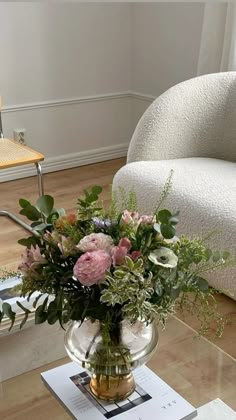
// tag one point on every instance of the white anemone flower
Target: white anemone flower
(164, 257)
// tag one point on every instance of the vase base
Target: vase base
(112, 388)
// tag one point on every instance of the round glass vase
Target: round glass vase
(111, 355)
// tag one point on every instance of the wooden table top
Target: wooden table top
(194, 367)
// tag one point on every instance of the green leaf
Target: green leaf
(36, 300)
(1, 316)
(216, 256)
(175, 292)
(119, 274)
(158, 288)
(26, 310)
(202, 284)
(226, 255)
(208, 254)
(40, 315)
(129, 263)
(24, 203)
(91, 198)
(6, 308)
(164, 216)
(41, 227)
(45, 204)
(167, 231)
(24, 320)
(31, 213)
(52, 313)
(96, 189)
(28, 241)
(55, 214)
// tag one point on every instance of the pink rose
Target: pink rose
(91, 266)
(94, 242)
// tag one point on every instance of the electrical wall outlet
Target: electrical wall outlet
(19, 135)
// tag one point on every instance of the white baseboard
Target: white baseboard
(67, 161)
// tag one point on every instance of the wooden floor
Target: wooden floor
(66, 186)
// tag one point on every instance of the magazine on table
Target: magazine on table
(152, 399)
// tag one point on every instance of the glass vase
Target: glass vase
(110, 354)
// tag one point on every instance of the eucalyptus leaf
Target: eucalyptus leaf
(202, 284)
(28, 241)
(31, 213)
(164, 216)
(45, 204)
(41, 227)
(96, 189)
(167, 231)
(91, 198)
(24, 203)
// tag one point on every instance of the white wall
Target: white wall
(165, 47)
(70, 71)
(58, 64)
(165, 44)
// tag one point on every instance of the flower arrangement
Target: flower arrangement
(110, 265)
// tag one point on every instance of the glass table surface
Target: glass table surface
(195, 367)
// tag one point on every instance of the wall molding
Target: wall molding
(67, 161)
(77, 100)
(71, 160)
(142, 96)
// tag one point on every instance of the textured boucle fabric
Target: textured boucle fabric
(204, 190)
(196, 118)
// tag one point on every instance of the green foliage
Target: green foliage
(87, 205)
(122, 199)
(42, 215)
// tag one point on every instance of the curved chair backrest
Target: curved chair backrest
(196, 118)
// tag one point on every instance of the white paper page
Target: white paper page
(152, 400)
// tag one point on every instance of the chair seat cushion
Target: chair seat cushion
(203, 189)
(15, 154)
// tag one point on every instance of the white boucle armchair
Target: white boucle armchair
(191, 128)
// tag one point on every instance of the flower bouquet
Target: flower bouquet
(109, 277)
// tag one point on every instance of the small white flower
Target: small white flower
(164, 257)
